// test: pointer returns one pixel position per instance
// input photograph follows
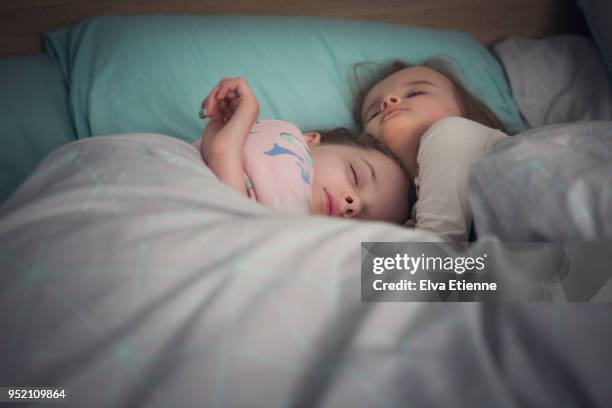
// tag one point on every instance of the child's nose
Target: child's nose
(389, 99)
(351, 205)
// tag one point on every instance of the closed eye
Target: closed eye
(414, 93)
(355, 179)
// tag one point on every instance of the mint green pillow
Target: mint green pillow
(150, 73)
(34, 117)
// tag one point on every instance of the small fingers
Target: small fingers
(225, 87)
(209, 106)
(223, 107)
(236, 86)
(223, 100)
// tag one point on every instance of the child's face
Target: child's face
(399, 109)
(351, 181)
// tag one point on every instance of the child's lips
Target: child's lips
(389, 112)
(330, 203)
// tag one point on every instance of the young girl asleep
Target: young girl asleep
(272, 162)
(437, 128)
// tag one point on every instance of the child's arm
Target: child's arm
(232, 110)
(446, 151)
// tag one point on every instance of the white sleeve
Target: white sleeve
(443, 161)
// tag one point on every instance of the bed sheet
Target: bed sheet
(552, 183)
(134, 278)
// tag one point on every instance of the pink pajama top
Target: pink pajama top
(278, 167)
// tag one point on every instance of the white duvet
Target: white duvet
(132, 277)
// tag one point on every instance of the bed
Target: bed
(131, 277)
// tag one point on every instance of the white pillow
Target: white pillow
(557, 80)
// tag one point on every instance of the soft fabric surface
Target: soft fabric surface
(34, 116)
(132, 277)
(558, 79)
(278, 167)
(445, 153)
(598, 14)
(150, 73)
(547, 184)
(118, 74)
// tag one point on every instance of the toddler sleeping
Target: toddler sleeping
(271, 161)
(425, 115)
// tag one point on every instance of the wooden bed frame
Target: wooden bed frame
(22, 22)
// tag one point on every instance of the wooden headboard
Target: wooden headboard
(22, 22)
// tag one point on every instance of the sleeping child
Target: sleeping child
(328, 173)
(437, 128)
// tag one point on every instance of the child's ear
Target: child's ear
(312, 138)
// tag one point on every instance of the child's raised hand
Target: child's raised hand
(232, 110)
(231, 96)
